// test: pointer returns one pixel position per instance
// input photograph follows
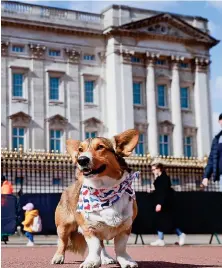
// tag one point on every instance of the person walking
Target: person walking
(30, 214)
(163, 195)
(214, 164)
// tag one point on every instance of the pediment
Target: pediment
(92, 122)
(167, 26)
(20, 119)
(57, 121)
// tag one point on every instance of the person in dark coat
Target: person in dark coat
(214, 165)
(164, 197)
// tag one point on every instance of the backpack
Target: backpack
(37, 224)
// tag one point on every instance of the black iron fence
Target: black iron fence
(40, 172)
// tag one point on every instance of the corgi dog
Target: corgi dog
(101, 204)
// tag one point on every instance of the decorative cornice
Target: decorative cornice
(20, 119)
(57, 120)
(4, 47)
(202, 64)
(72, 54)
(38, 51)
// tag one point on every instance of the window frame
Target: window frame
(140, 142)
(93, 91)
(18, 46)
(59, 85)
(161, 62)
(141, 93)
(188, 98)
(23, 84)
(162, 143)
(95, 134)
(18, 136)
(165, 96)
(54, 50)
(185, 144)
(135, 59)
(55, 139)
(89, 57)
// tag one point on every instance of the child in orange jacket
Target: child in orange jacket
(30, 214)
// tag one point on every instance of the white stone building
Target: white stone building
(74, 74)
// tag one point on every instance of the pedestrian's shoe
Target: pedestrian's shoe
(158, 243)
(182, 239)
(30, 244)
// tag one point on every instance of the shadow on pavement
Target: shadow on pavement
(154, 264)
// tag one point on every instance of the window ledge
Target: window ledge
(163, 108)
(19, 99)
(91, 105)
(139, 106)
(55, 102)
(186, 110)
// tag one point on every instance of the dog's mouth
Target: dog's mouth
(89, 171)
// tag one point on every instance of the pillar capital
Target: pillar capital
(202, 64)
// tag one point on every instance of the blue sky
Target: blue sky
(212, 10)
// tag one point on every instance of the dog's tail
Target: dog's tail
(77, 243)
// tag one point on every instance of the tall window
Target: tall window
(55, 140)
(90, 134)
(140, 146)
(89, 57)
(135, 59)
(184, 97)
(164, 144)
(17, 84)
(17, 137)
(137, 93)
(16, 48)
(188, 146)
(89, 88)
(54, 88)
(162, 97)
(54, 53)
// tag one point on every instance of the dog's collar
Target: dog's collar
(91, 199)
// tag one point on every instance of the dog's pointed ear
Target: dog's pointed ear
(72, 147)
(125, 142)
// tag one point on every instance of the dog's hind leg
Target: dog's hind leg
(63, 234)
(105, 258)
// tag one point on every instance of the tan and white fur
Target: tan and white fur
(100, 164)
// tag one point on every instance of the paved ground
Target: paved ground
(147, 257)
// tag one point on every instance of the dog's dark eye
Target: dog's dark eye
(80, 149)
(100, 147)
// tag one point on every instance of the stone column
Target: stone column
(74, 103)
(176, 111)
(113, 90)
(202, 107)
(127, 91)
(151, 108)
(37, 106)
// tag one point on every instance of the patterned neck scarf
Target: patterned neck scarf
(91, 199)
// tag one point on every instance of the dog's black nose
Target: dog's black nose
(83, 160)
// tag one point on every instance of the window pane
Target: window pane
(21, 131)
(137, 93)
(166, 149)
(93, 134)
(189, 154)
(15, 144)
(160, 138)
(14, 131)
(17, 85)
(89, 86)
(53, 52)
(161, 149)
(165, 138)
(21, 141)
(52, 144)
(54, 88)
(17, 48)
(87, 135)
(58, 133)
(58, 145)
(161, 95)
(52, 133)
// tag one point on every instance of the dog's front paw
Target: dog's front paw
(91, 263)
(126, 262)
(58, 259)
(107, 260)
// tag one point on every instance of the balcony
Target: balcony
(41, 14)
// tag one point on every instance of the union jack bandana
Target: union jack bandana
(91, 199)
